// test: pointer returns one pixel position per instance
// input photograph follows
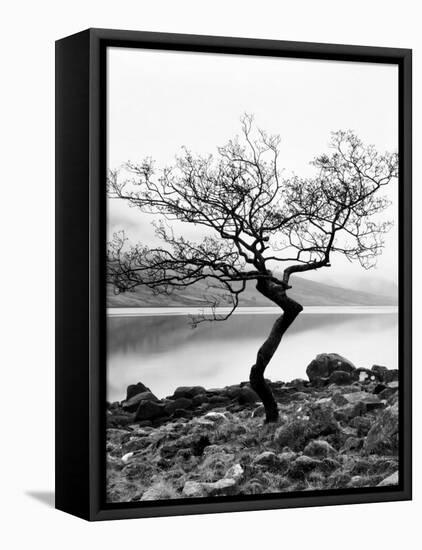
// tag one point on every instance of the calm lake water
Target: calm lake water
(160, 349)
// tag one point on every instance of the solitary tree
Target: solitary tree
(261, 226)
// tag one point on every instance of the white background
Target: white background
(27, 276)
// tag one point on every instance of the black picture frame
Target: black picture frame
(80, 260)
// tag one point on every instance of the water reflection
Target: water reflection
(165, 352)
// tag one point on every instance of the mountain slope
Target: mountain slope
(306, 292)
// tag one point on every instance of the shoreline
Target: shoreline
(335, 431)
(307, 310)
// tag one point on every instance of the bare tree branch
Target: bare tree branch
(256, 219)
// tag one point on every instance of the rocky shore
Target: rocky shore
(339, 429)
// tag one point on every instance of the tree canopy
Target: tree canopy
(260, 225)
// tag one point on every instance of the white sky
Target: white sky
(159, 101)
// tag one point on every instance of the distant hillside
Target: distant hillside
(306, 292)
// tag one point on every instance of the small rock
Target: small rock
(169, 451)
(205, 423)
(362, 424)
(193, 489)
(319, 448)
(323, 401)
(358, 481)
(214, 417)
(235, 472)
(387, 393)
(294, 434)
(378, 389)
(390, 480)
(199, 445)
(119, 420)
(339, 479)
(383, 434)
(116, 435)
(259, 411)
(349, 411)
(299, 396)
(223, 487)
(365, 375)
(159, 491)
(298, 384)
(126, 457)
(352, 443)
(369, 400)
(267, 458)
(135, 444)
(144, 424)
(303, 465)
(328, 465)
(285, 460)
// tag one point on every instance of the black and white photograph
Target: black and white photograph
(252, 275)
(207, 297)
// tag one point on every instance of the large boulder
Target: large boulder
(392, 375)
(379, 371)
(385, 375)
(325, 364)
(187, 391)
(247, 396)
(134, 389)
(150, 410)
(180, 403)
(132, 404)
(341, 378)
(383, 436)
(232, 391)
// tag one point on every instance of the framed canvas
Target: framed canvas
(233, 274)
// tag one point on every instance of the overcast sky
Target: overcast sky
(159, 101)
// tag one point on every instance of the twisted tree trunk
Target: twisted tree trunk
(291, 309)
